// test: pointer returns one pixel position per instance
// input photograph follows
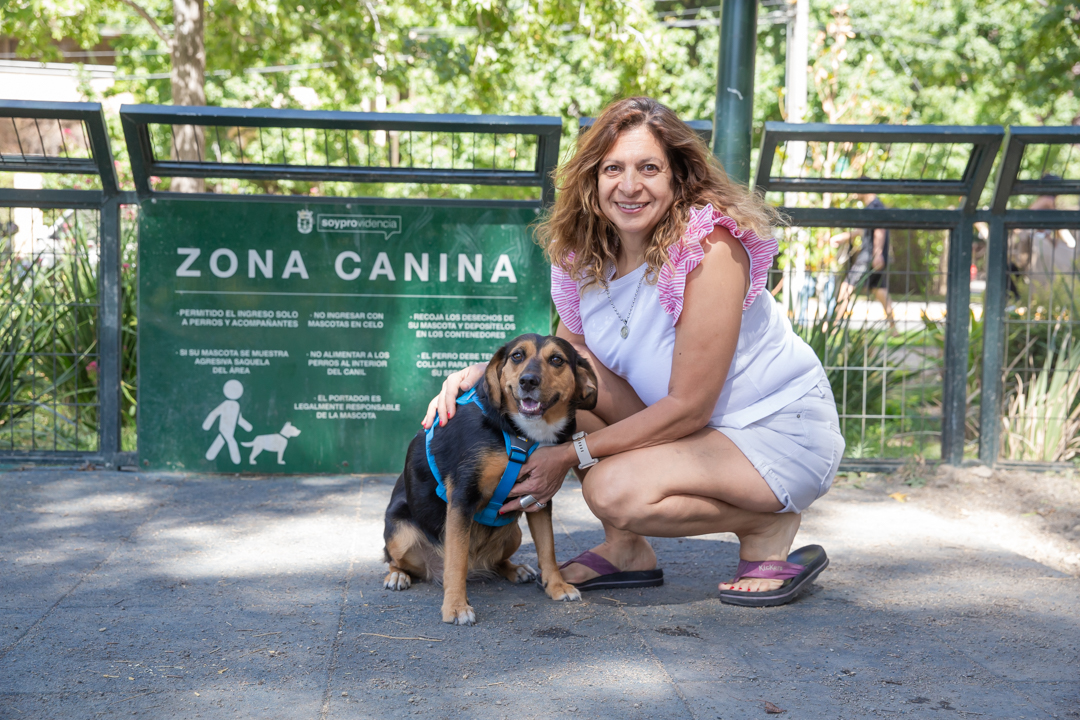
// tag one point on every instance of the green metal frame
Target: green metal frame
(1019, 141)
(107, 202)
(136, 120)
(985, 142)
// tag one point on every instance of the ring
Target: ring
(540, 504)
(527, 501)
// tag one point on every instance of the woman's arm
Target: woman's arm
(705, 340)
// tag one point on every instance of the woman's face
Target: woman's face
(634, 185)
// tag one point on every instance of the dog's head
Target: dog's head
(289, 431)
(540, 383)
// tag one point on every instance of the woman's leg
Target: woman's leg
(697, 485)
(700, 484)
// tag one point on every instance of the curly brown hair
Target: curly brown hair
(579, 238)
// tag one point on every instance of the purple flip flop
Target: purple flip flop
(611, 578)
(798, 572)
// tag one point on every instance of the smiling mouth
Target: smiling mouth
(631, 207)
(530, 407)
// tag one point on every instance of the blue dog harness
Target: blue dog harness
(518, 450)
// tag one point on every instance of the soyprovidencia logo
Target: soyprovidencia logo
(305, 221)
(385, 225)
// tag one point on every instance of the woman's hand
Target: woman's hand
(543, 475)
(445, 403)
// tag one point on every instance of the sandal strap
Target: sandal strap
(594, 562)
(767, 570)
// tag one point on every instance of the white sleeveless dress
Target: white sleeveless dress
(775, 405)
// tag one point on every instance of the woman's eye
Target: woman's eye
(612, 169)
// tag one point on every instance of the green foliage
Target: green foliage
(49, 339)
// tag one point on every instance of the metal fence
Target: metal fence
(880, 335)
(1030, 362)
(961, 346)
(60, 263)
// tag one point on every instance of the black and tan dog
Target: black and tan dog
(532, 388)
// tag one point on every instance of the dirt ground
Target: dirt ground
(1041, 509)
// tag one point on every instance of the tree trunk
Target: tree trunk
(188, 85)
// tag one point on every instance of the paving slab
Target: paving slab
(137, 595)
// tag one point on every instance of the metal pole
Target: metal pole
(735, 88)
(993, 352)
(109, 331)
(957, 321)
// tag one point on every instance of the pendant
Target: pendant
(624, 332)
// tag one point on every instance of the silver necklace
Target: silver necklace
(624, 330)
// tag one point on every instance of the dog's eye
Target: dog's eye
(557, 361)
(517, 356)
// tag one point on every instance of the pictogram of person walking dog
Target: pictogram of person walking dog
(227, 415)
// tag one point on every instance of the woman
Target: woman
(713, 416)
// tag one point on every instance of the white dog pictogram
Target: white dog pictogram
(275, 443)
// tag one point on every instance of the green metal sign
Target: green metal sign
(279, 337)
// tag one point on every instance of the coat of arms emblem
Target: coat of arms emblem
(305, 221)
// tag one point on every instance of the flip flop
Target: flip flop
(611, 578)
(798, 572)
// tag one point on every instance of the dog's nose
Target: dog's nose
(529, 381)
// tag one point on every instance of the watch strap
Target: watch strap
(585, 458)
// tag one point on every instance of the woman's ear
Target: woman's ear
(586, 385)
(493, 379)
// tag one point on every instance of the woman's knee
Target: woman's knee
(612, 495)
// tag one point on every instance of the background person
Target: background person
(1040, 254)
(713, 416)
(870, 265)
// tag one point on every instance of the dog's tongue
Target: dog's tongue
(529, 406)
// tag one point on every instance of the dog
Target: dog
(533, 388)
(275, 443)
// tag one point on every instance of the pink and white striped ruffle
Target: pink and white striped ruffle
(684, 256)
(688, 253)
(567, 299)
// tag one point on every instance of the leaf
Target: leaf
(772, 709)
(899, 496)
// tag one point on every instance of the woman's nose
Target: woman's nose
(629, 182)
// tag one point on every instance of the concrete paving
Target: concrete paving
(128, 595)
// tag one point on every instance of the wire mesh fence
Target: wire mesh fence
(1041, 367)
(851, 160)
(325, 147)
(48, 329)
(878, 328)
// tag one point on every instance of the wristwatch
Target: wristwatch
(585, 459)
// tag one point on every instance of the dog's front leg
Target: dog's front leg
(544, 539)
(455, 607)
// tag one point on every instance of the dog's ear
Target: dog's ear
(493, 379)
(586, 384)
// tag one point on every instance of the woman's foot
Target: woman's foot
(624, 550)
(771, 540)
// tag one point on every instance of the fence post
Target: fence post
(957, 329)
(994, 301)
(733, 119)
(109, 331)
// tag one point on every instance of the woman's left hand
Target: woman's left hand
(543, 475)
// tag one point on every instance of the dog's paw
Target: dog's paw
(397, 580)
(563, 591)
(458, 614)
(523, 574)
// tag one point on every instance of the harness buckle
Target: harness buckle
(518, 455)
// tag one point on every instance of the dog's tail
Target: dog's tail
(250, 444)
